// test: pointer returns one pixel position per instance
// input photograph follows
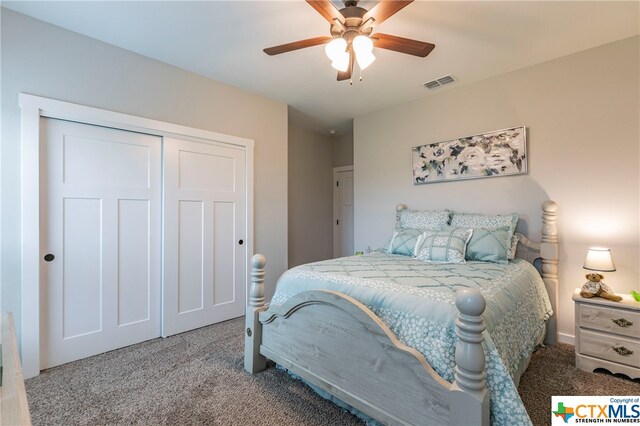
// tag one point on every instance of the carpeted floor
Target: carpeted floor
(198, 378)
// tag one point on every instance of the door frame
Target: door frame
(336, 211)
(32, 109)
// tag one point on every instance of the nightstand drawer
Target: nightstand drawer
(618, 321)
(612, 348)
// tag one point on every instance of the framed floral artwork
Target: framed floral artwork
(497, 153)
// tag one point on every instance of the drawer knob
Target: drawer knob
(622, 350)
(622, 322)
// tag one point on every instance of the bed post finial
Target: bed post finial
(549, 257)
(256, 293)
(399, 209)
(253, 360)
(469, 389)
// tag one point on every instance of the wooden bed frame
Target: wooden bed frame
(336, 343)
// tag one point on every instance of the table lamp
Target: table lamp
(599, 259)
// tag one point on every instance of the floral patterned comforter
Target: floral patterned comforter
(417, 301)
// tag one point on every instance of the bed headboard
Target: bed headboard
(543, 255)
(547, 249)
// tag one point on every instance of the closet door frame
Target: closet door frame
(32, 109)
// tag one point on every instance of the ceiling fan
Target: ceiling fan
(351, 37)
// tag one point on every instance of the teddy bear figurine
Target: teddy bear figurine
(596, 287)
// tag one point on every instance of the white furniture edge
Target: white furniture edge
(14, 409)
(328, 317)
(32, 109)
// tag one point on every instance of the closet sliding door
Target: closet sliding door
(132, 229)
(204, 254)
(100, 260)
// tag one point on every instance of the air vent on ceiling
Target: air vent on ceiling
(439, 82)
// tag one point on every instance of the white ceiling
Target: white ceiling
(223, 40)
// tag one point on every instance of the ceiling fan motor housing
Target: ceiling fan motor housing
(352, 26)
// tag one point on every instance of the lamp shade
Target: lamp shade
(341, 62)
(365, 59)
(336, 48)
(599, 259)
(363, 46)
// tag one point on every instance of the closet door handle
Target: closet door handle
(241, 242)
(49, 257)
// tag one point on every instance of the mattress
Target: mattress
(417, 301)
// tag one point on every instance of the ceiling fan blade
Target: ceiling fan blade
(300, 44)
(385, 9)
(327, 10)
(402, 45)
(346, 75)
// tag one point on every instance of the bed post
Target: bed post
(399, 209)
(549, 257)
(469, 393)
(253, 360)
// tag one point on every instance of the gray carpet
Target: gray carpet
(198, 378)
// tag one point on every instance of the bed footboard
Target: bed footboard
(376, 374)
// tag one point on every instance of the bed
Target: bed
(404, 342)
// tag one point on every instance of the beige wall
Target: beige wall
(582, 114)
(45, 60)
(310, 197)
(342, 151)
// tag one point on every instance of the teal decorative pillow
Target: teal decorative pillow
(489, 245)
(463, 220)
(432, 220)
(447, 246)
(404, 242)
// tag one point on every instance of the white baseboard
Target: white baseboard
(566, 338)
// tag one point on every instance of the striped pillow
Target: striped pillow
(404, 242)
(466, 220)
(489, 245)
(447, 246)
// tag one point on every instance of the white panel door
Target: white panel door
(343, 212)
(205, 257)
(101, 198)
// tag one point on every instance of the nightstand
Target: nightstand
(608, 334)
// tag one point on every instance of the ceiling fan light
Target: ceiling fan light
(365, 59)
(341, 63)
(336, 48)
(362, 44)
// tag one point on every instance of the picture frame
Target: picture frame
(491, 154)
